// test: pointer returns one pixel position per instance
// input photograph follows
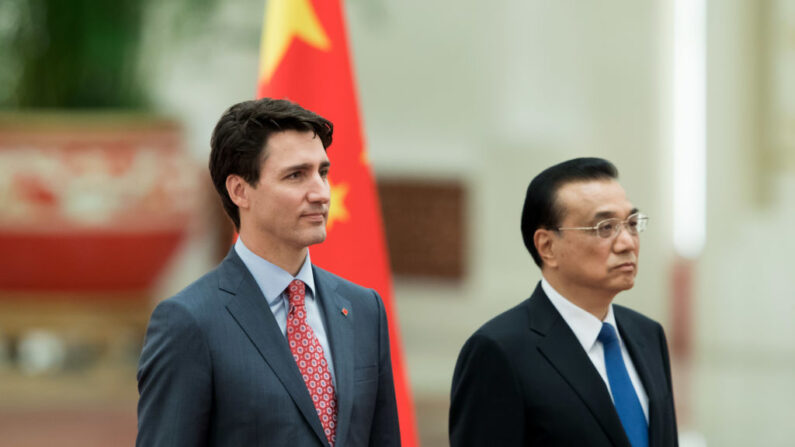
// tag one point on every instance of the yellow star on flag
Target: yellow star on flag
(284, 21)
(337, 210)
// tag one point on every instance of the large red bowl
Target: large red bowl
(85, 261)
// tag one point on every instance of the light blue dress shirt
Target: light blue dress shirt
(273, 280)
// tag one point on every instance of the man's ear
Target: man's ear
(237, 188)
(544, 241)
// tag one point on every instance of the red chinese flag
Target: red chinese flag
(304, 58)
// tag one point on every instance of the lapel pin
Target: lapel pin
(345, 311)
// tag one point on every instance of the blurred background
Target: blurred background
(106, 206)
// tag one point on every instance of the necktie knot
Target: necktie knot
(296, 293)
(608, 334)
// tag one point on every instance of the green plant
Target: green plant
(76, 54)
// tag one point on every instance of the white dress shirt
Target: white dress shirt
(273, 281)
(586, 328)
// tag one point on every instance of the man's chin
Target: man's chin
(626, 284)
(621, 284)
(316, 238)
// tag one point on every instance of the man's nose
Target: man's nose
(624, 240)
(319, 190)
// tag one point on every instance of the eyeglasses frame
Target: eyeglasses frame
(624, 223)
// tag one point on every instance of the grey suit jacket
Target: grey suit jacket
(523, 379)
(216, 370)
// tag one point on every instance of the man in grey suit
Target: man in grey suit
(268, 349)
(566, 367)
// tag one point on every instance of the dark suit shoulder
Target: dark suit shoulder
(508, 335)
(200, 298)
(487, 400)
(510, 325)
(627, 316)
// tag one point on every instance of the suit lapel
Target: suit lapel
(250, 310)
(339, 327)
(561, 348)
(644, 360)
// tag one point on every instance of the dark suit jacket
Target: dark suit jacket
(523, 379)
(217, 371)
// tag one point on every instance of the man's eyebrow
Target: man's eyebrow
(305, 166)
(611, 214)
(601, 215)
(298, 167)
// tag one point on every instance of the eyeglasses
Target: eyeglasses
(608, 228)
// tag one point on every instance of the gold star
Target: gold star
(285, 20)
(337, 210)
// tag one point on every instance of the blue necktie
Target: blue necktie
(626, 401)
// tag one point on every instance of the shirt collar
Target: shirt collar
(272, 279)
(585, 326)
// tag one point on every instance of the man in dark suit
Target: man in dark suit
(566, 367)
(268, 349)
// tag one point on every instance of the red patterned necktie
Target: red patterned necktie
(308, 354)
